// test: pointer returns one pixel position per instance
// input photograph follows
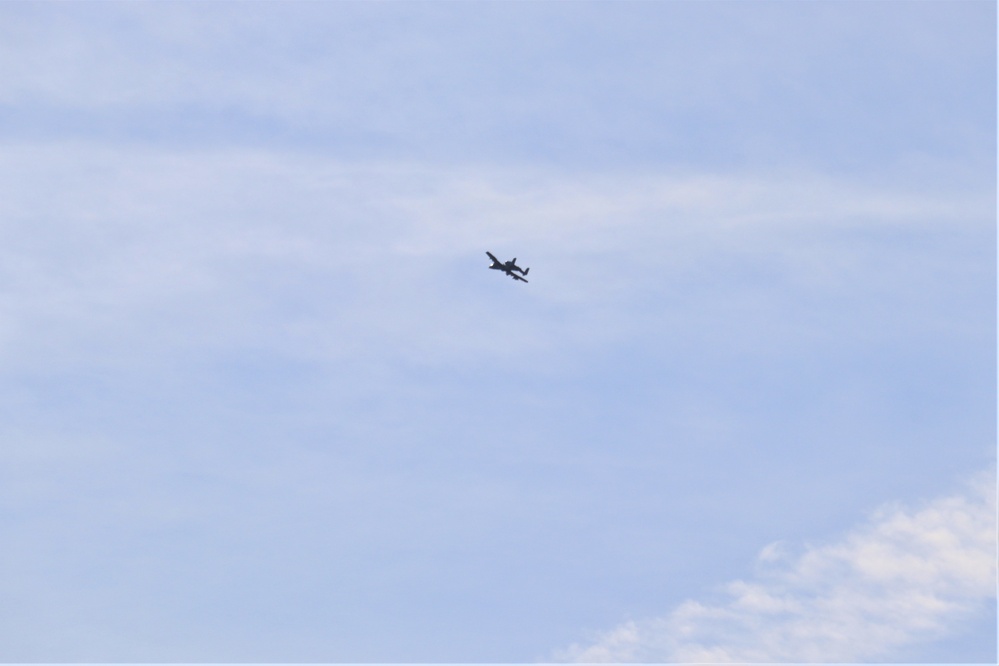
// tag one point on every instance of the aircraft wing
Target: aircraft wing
(491, 256)
(516, 277)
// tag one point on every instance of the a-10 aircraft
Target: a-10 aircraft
(509, 267)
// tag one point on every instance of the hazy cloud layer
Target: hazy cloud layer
(181, 328)
(261, 400)
(910, 575)
(199, 248)
(659, 83)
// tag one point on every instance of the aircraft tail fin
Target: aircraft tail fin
(525, 270)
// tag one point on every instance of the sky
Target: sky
(262, 401)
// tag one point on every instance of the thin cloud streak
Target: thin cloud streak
(907, 577)
(226, 236)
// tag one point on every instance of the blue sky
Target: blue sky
(262, 401)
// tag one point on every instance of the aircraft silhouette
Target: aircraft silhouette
(509, 267)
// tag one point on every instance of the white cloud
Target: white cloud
(906, 577)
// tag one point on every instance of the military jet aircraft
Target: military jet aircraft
(509, 267)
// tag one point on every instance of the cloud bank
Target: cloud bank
(907, 576)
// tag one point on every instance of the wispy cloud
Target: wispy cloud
(908, 576)
(649, 82)
(140, 235)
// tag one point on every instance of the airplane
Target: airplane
(508, 267)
